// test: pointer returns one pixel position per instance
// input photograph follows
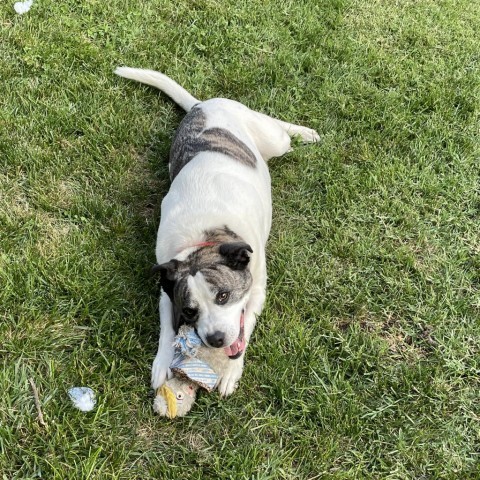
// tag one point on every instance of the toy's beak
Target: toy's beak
(170, 398)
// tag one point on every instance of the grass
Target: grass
(365, 362)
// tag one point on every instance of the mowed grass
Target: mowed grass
(365, 362)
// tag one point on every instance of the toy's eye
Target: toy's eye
(222, 297)
(180, 396)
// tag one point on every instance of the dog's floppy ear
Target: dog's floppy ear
(168, 275)
(236, 254)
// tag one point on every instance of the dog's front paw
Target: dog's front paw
(229, 380)
(160, 371)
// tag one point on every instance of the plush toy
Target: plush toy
(191, 370)
(175, 398)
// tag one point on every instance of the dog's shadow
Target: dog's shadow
(147, 182)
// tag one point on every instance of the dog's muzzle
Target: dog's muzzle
(238, 346)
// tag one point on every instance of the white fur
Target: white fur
(211, 191)
(158, 80)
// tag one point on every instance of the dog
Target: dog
(215, 222)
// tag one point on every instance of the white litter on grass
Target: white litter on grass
(22, 7)
(83, 398)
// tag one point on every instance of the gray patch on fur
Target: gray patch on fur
(222, 278)
(221, 235)
(191, 138)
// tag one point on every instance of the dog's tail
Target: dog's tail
(156, 79)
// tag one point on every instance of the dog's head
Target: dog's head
(209, 290)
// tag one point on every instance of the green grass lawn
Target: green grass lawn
(365, 363)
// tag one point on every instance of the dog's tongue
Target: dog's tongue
(238, 346)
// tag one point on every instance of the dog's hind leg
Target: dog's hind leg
(308, 135)
(273, 137)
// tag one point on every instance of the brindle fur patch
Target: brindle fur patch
(192, 138)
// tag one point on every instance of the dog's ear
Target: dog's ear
(236, 254)
(168, 275)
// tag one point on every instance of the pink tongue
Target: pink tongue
(239, 344)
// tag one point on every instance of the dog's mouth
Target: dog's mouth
(238, 346)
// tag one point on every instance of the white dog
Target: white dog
(215, 221)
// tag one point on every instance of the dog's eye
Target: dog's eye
(222, 297)
(189, 313)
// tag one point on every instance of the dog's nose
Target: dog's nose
(216, 339)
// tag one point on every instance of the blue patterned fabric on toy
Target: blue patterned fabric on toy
(185, 363)
(187, 341)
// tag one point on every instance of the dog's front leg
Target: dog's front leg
(231, 375)
(233, 371)
(161, 365)
(254, 308)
